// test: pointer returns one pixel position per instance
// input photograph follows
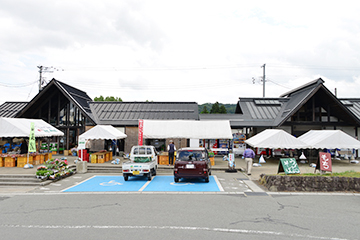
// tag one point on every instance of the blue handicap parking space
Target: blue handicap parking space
(167, 184)
(109, 184)
(134, 184)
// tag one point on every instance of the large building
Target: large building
(311, 106)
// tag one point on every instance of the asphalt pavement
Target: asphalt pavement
(239, 181)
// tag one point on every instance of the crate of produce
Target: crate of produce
(20, 164)
(9, 162)
(93, 158)
(36, 162)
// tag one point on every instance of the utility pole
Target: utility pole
(263, 66)
(45, 69)
(40, 79)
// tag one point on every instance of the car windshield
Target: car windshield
(191, 156)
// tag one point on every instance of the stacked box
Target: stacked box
(36, 157)
(163, 159)
(9, 162)
(101, 158)
(93, 158)
(212, 161)
(36, 162)
(42, 157)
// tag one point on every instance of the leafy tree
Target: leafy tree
(204, 110)
(99, 99)
(215, 108)
(108, 99)
(222, 109)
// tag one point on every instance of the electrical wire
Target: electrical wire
(17, 85)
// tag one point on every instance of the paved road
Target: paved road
(178, 216)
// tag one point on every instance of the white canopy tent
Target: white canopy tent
(276, 138)
(329, 139)
(20, 127)
(102, 132)
(160, 129)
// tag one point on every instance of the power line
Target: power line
(17, 85)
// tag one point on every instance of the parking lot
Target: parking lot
(157, 184)
(220, 182)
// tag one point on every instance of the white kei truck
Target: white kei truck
(143, 162)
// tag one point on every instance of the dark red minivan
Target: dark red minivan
(192, 163)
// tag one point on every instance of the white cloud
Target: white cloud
(203, 51)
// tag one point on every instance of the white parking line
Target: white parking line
(218, 184)
(144, 186)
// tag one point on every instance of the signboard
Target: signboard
(81, 144)
(32, 145)
(288, 165)
(141, 132)
(324, 162)
(231, 160)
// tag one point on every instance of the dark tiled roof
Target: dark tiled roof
(74, 95)
(77, 95)
(353, 104)
(275, 111)
(10, 109)
(128, 113)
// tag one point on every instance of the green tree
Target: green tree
(108, 99)
(99, 99)
(204, 110)
(222, 109)
(215, 108)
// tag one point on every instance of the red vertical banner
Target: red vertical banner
(141, 131)
(325, 161)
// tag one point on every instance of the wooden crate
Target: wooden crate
(9, 162)
(36, 162)
(1, 162)
(107, 157)
(212, 161)
(22, 159)
(20, 165)
(93, 158)
(100, 160)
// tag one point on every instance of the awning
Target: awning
(20, 127)
(276, 138)
(103, 132)
(160, 129)
(329, 139)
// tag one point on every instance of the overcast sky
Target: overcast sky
(193, 51)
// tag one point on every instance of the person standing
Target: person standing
(171, 150)
(88, 146)
(113, 147)
(249, 155)
(23, 147)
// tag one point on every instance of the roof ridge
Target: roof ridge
(316, 81)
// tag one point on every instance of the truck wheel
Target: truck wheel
(207, 179)
(149, 176)
(209, 172)
(126, 177)
(176, 179)
(154, 172)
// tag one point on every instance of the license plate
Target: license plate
(190, 166)
(136, 172)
